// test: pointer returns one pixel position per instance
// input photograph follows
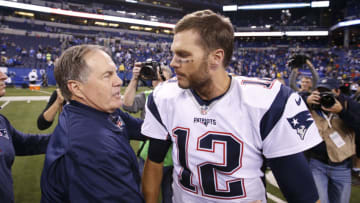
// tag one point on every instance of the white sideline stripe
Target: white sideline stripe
(27, 98)
(6, 103)
(271, 179)
(274, 198)
(44, 92)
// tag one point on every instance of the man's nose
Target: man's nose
(174, 63)
(118, 81)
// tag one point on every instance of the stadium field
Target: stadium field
(27, 169)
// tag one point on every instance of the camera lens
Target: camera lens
(327, 100)
(149, 70)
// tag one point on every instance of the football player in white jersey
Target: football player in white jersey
(222, 126)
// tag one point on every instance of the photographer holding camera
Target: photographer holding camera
(338, 120)
(149, 70)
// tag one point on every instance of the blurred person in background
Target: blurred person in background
(338, 120)
(355, 87)
(136, 102)
(356, 91)
(89, 158)
(13, 142)
(281, 80)
(33, 76)
(307, 84)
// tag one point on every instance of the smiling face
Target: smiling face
(306, 84)
(101, 90)
(190, 60)
(3, 77)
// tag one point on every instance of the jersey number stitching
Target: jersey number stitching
(208, 172)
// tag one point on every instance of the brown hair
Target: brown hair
(216, 31)
(72, 66)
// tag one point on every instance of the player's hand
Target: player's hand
(336, 108)
(60, 98)
(313, 98)
(136, 71)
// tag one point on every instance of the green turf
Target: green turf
(28, 92)
(27, 169)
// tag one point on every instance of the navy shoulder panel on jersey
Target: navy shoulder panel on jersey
(154, 110)
(273, 115)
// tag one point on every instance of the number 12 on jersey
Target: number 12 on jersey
(208, 171)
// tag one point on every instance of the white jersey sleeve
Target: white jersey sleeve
(279, 116)
(153, 125)
(287, 126)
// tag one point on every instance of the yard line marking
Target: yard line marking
(271, 179)
(6, 103)
(44, 92)
(275, 199)
(25, 98)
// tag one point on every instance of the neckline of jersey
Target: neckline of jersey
(202, 102)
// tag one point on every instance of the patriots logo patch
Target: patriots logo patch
(117, 120)
(3, 133)
(301, 123)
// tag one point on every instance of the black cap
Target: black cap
(328, 83)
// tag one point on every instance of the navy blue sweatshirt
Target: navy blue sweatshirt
(89, 158)
(13, 142)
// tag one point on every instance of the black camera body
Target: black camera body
(297, 60)
(149, 70)
(327, 99)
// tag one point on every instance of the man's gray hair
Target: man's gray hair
(72, 66)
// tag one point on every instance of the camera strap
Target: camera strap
(328, 118)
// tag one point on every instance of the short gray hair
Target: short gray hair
(72, 66)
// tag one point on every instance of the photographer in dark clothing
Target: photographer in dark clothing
(338, 120)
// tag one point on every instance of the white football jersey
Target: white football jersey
(217, 152)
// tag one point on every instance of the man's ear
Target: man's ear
(75, 88)
(216, 58)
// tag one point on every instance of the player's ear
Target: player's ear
(75, 88)
(216, 58)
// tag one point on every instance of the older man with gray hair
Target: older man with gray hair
(89, 158)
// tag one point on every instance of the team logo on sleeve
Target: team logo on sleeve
(3, 133)
(301, 123)
(298, 101)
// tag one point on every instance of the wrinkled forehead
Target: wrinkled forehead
(96, 57)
